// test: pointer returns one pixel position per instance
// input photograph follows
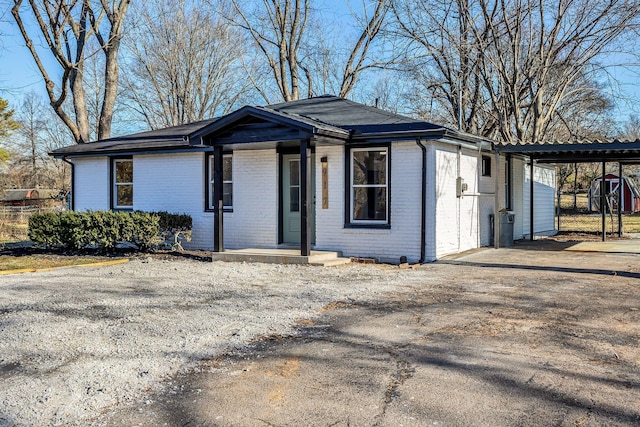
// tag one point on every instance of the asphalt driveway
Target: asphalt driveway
(532, 336)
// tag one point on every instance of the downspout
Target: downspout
(423, 216)
(73, 180)
(458, 199)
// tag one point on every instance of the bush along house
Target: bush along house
(323, 173)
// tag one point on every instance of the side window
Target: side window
(486, 166)
(227, 181)
(122, 191)
(369, 191)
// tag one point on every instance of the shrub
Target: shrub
(174, 228)
(102, 230)
(44, 229)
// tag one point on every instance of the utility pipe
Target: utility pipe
(423, 216)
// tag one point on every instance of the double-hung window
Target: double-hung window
(122, 197)
(369, 190)
(227, 182)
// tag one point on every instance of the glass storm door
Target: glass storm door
(291, 203)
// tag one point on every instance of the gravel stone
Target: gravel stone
(77, 342)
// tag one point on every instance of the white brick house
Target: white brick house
(374, 184)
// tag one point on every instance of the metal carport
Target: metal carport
(621, 152)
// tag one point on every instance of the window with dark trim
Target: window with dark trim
(368, 186)
(227, 182)
(122, 179)
(486, 166)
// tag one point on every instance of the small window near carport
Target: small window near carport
(486, 166)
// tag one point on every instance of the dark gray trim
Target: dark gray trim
(207, 197)
(347, 186)
(368, 226)
(486, 165)
(112, 160)
(509, 177)
(218, 213)
(305, 197)
(73, 183)
(300, 123)
(141, 152)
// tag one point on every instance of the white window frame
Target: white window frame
(352, 187)
(116, 184)
(210, 162)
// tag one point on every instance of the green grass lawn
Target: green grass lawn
(583, 221)
(40, 261)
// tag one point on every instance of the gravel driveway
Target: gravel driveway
(75, 342)
(510, 337)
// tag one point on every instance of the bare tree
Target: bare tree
(277, 28)
(66, 26)
(301, 56)
(183, 63)
(32, 123)
(40, 132)
(503, 68)
(631, 128)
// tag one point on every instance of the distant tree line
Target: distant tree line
(510, 70)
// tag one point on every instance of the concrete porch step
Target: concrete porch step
(333, 263)
(280, 256)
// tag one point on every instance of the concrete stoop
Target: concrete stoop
(281, 256)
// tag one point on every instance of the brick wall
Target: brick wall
(403, 239)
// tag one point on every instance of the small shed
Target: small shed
(30, 197)
(19, 197)
(630, 194)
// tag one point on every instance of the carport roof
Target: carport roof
(577, 151)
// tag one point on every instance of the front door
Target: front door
(291, 203)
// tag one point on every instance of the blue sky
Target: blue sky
(19, 74)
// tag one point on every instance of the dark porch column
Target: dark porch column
(531, 200)
(305, 197)
(218, 204)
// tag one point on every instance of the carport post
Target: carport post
(603, 200)
(620, 201)
(531, 200)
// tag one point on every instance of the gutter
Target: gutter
(73, 180)
(423, 210)
(444, 134)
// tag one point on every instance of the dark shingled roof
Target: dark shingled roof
(171, 138)
(328, 115)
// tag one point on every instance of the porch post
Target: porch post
(531, 200)
(305, 197)
(620, 198)
(603, 201)
(218, 204)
